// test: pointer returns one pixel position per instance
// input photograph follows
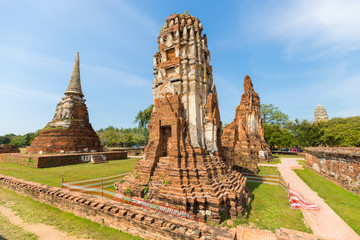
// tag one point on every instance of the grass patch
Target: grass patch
(275, 161)
(53, 176)
(344, 203)
(13, 232)
(22, 150)
(26, 208)
(270, 209)
(268, 171)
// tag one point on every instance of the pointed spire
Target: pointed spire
(75, 84)
(248, 86)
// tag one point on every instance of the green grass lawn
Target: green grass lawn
(12, 232)
(346, 204)
(275, 161)
(26, 209)
(270, 209)
(268, 171)
(53, 176)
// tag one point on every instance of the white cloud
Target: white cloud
(25, 93)
(332, 26)
(116, 76)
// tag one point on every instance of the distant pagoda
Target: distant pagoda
(320, 114)
(70, 129)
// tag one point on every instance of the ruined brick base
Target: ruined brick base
(78, 137)
(176, 174)
(56, 160)
(7, 148)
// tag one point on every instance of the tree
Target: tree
(272, 115)
(143, 118)
(340, 132)
(305, 133)
(278, 137)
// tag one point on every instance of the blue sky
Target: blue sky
(298, 54)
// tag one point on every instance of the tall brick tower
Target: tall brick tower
(70, 129)
(243, 139)
(183, 164)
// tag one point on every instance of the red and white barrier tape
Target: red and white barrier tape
(297, 201)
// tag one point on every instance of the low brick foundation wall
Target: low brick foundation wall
(138, 221)
(130, 151)
(339, 164)
(56, 160)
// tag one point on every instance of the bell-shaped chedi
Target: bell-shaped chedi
(183, 164)
(70, 129)
(320, 114)
(243, 139)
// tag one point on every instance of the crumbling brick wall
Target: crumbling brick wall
(7, 148)
(135, 220)
(339, 164)
(56, 160)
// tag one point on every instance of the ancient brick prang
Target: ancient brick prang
(7, 148)
(243, 139)
(183, 164)
(337, 163)
(70, 129)
(320, 114)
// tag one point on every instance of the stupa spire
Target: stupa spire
(75, 84)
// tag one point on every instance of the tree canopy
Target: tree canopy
(143, 118)
(272, 115)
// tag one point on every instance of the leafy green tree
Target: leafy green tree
(6, 138)
(19, 141)
(115, 137)
(305, 133)
(272, 115)
(278, 137)
(143, 118)
(340, 132)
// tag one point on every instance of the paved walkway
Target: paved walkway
(324, 222)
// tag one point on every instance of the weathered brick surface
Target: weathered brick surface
(55, 160)
(183, 165)
(138, 221)
(339, 164)
(243, 139)
(7, 148)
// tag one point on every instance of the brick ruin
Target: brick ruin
(243, 139)
(56, 160)
(183, 164)
(339, 164)
(70, 130)
(8, 148)
(320, 114)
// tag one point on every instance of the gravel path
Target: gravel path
(45, 232)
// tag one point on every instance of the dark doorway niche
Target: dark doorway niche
(165, 139)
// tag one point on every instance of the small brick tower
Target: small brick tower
(243, 139)
(70, 129)
(183, 164)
